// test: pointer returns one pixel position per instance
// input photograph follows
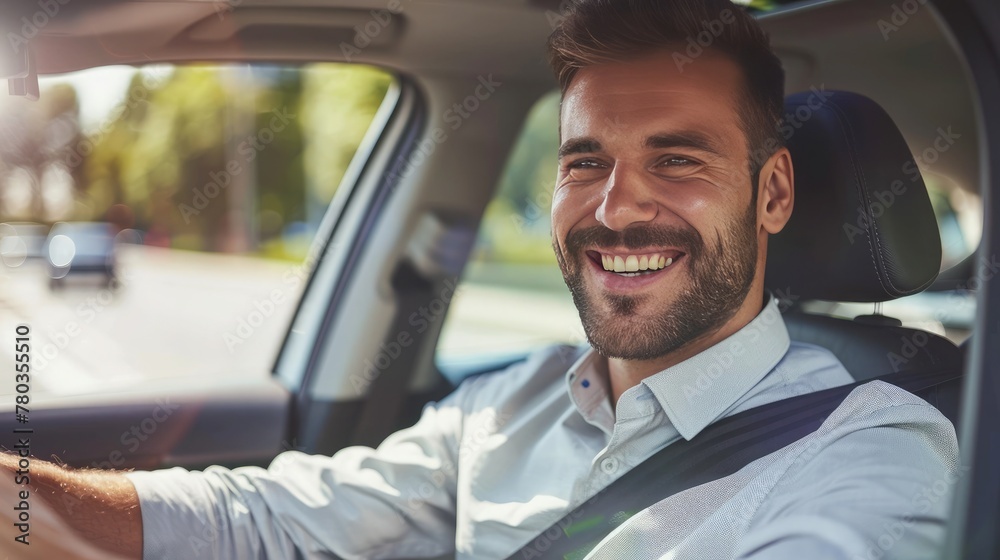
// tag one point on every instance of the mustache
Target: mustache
(638, 237)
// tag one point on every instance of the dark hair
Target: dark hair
(596, 31)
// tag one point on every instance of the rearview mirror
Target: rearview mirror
(17, 64)
(14, 62)
(22, 77)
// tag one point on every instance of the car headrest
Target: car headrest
(862, 228)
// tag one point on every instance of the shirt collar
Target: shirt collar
(587, 383)
(697, 391)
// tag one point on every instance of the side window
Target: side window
(512, 297)
(155, 221)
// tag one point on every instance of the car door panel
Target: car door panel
(243, 423)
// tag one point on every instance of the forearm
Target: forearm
(101, 506)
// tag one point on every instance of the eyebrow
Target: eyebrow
(585, 145)
(682, 139)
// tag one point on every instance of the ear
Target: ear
(776, 188)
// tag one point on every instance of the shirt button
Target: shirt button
(609, 465)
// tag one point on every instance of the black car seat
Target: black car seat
(862, 230)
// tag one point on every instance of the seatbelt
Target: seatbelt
(389, 389)
(721, 449)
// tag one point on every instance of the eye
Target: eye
(584, 164)
(677, 161)
(676, 166)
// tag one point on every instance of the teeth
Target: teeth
(631, 265)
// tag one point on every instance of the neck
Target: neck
(625, 374)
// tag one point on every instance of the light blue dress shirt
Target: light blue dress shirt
(494, 464)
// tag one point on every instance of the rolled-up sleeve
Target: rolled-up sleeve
(393, 501)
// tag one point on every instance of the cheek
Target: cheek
(698, 204)
(566, 211)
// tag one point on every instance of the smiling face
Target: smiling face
(654, 215)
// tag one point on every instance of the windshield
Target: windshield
(155, 221)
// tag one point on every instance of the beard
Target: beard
(718, 281)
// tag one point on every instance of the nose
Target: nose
(626, 201)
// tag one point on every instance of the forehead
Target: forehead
(651, 94)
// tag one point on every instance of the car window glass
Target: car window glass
(512, 297)
(155, 221)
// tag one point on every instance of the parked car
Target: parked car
(21, 241)
(77, 249)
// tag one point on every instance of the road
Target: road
(188, 315)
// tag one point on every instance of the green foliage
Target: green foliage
(516, 226)
(206, 157)
(504, 237)
(338, 105)
(35, 137)
(532, 165)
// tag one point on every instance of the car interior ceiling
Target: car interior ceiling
(916, 76)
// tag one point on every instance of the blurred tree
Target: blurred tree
(338, 104)
(164, 140)
(204, 157)
(280, 177)
(515, 227)
(38, 137)
(531, 168)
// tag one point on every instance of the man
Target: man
(660, 222)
